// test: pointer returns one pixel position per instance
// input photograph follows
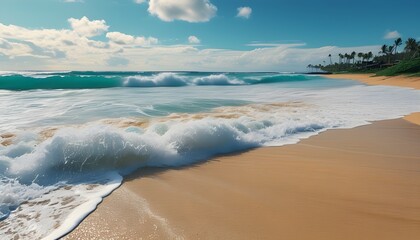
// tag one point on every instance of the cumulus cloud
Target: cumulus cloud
(139, 1)
(244, 12)
(50, 49)
(120, 38)
(65, 49)
(185, 10)
(143, 41)
(14, 49)
(124, 39)
(392, 35)
(85, 27)
(193, 40)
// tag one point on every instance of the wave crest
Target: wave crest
(92, 80)
(219, 79)
(158, 80)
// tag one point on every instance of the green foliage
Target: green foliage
(404, 67)
(389, 62)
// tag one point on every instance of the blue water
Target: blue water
(94, 80)
(75, 135)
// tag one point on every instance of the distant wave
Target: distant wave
(283, 78)
(159, 80)
(219, 79)
(18, 81)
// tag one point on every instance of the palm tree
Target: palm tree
(369, 56)
(397, 43)
(387, 50)
(346, 56)
(360, 56)
(340, 57)
(384, 49)
(366, 56)
(352, 55)
(390, 50)
(329, 55)
(411, 46)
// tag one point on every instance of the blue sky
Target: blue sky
(270, 35)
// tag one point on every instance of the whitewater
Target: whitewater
(67, 139)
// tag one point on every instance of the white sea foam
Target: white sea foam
(51, 212)
(13, 194)
(217, 79)
(30, 73)
(159, 80)
(177, 80)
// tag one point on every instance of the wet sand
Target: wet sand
(399, 81)
(361, 183)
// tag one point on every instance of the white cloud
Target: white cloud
(139, 1)
(65, 49)
(14, 49)
(244, 12)
(146, 41)
(120, 38)
(87, 28)
(124, 39)
(193, 40)
(392, 35)
(185, 10)
(59, 48)
(52, 46)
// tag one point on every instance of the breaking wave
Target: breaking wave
(92, 80)
(79, 165)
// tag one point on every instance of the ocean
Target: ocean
(69, 138)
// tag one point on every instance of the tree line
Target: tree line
(387, 56)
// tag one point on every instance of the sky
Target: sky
(196, 35)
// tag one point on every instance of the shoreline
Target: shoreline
(395, 81)
(339, 184)
(298, 191)
(371, 79)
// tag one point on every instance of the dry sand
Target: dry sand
(401, 81)
(361, 183)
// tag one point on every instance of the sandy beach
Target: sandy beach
(360, 183)
(371, 79)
